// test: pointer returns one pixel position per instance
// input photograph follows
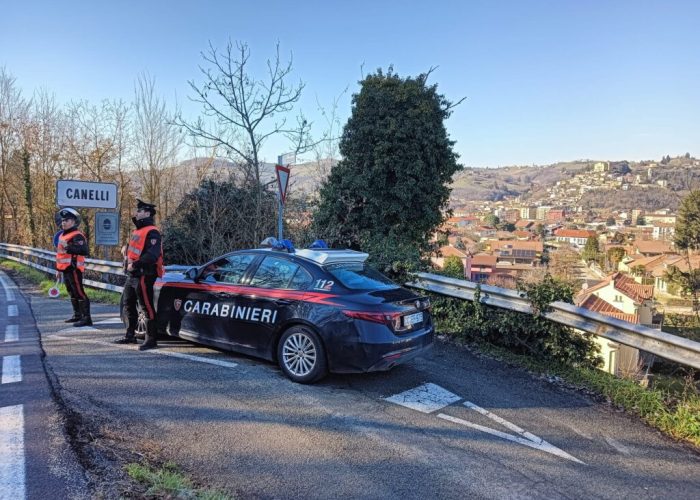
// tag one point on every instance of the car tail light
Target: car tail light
(393, 320)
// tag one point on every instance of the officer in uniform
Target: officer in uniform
(71, 250)
(144, 264)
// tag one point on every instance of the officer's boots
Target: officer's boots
(130, 336)
(85, 320)
(151, 336)
(77, 316)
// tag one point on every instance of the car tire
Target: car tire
(301, 355)
(141, 322)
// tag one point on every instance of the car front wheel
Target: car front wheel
(301, 355)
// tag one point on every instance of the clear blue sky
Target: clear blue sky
(545, 81)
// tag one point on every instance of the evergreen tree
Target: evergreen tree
(590, 250)
(687, 238)
(390, 191)
(454, 268)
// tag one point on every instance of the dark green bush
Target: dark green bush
(521, 333)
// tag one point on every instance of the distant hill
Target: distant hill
(493, 184)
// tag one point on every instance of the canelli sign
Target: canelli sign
(86, 194)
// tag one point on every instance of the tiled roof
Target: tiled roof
(648, 263)
(524, 223)
(574, 233)
(653, 246)
(449, 251)
(632, 289)
(596, 304)
(624, 284)
(484, 260)
(516, 244)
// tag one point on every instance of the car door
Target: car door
(210, 310)
(275, 292)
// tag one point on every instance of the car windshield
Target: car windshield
(359, 276)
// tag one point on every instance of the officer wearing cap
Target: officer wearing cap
(144, 264)
(71, 250)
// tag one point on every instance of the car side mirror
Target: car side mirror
(192, 274)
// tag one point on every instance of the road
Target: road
(452, 425)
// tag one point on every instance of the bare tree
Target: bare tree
(244, 112)
(157, 142)
(13, 116)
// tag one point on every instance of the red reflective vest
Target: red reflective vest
(136, 244)
(63, 259)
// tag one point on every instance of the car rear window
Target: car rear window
(359, 276)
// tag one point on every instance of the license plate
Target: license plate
(413, 319)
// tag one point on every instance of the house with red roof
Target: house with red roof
(574, 237)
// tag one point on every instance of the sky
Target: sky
(543, 81)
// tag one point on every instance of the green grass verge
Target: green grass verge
(168, 482)
(39, 278)
(675, 412)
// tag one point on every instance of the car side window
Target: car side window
(302, 280)
(274, 272)
(229, 270)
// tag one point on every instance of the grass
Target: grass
(44, 282)
(168, 482)
(673, 408)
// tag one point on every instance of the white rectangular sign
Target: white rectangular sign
(71, 193)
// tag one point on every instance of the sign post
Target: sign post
(73, 193)
(282, 183)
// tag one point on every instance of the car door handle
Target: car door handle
(282, 302)
(223, 295)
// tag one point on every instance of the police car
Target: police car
(313, 311)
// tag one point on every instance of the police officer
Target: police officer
(144, 265)
(71, 250)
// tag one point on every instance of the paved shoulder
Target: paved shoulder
(36, 459)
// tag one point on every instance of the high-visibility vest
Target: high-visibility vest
(63, 259)
(138, 242)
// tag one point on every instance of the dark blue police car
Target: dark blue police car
(310, 310)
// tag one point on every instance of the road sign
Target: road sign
(287, 159)
(106, 228)
(282, 180)
(70, 193)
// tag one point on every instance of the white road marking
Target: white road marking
(618, 446)
(12, 310)
(9, 295)
(503, 422)
(12, 457)
(11, 370)
(425, 398)
(542, 445)
(428, 398)
(109, 321)
(11, 333)
(160, 350)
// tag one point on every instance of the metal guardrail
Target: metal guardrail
(665, 345)
(45, 261)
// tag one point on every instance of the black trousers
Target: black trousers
(73, 279)
(140, 290)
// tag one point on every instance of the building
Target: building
(663, 230)
(574, 237)
(556, 215)
(620, 297)
(483, 266)
(516, 251)
(601, 166)
(653, 247)
(528, 212)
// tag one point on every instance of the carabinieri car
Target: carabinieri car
(310, 310)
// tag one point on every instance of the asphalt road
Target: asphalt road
(453, 425)
(36, 460)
